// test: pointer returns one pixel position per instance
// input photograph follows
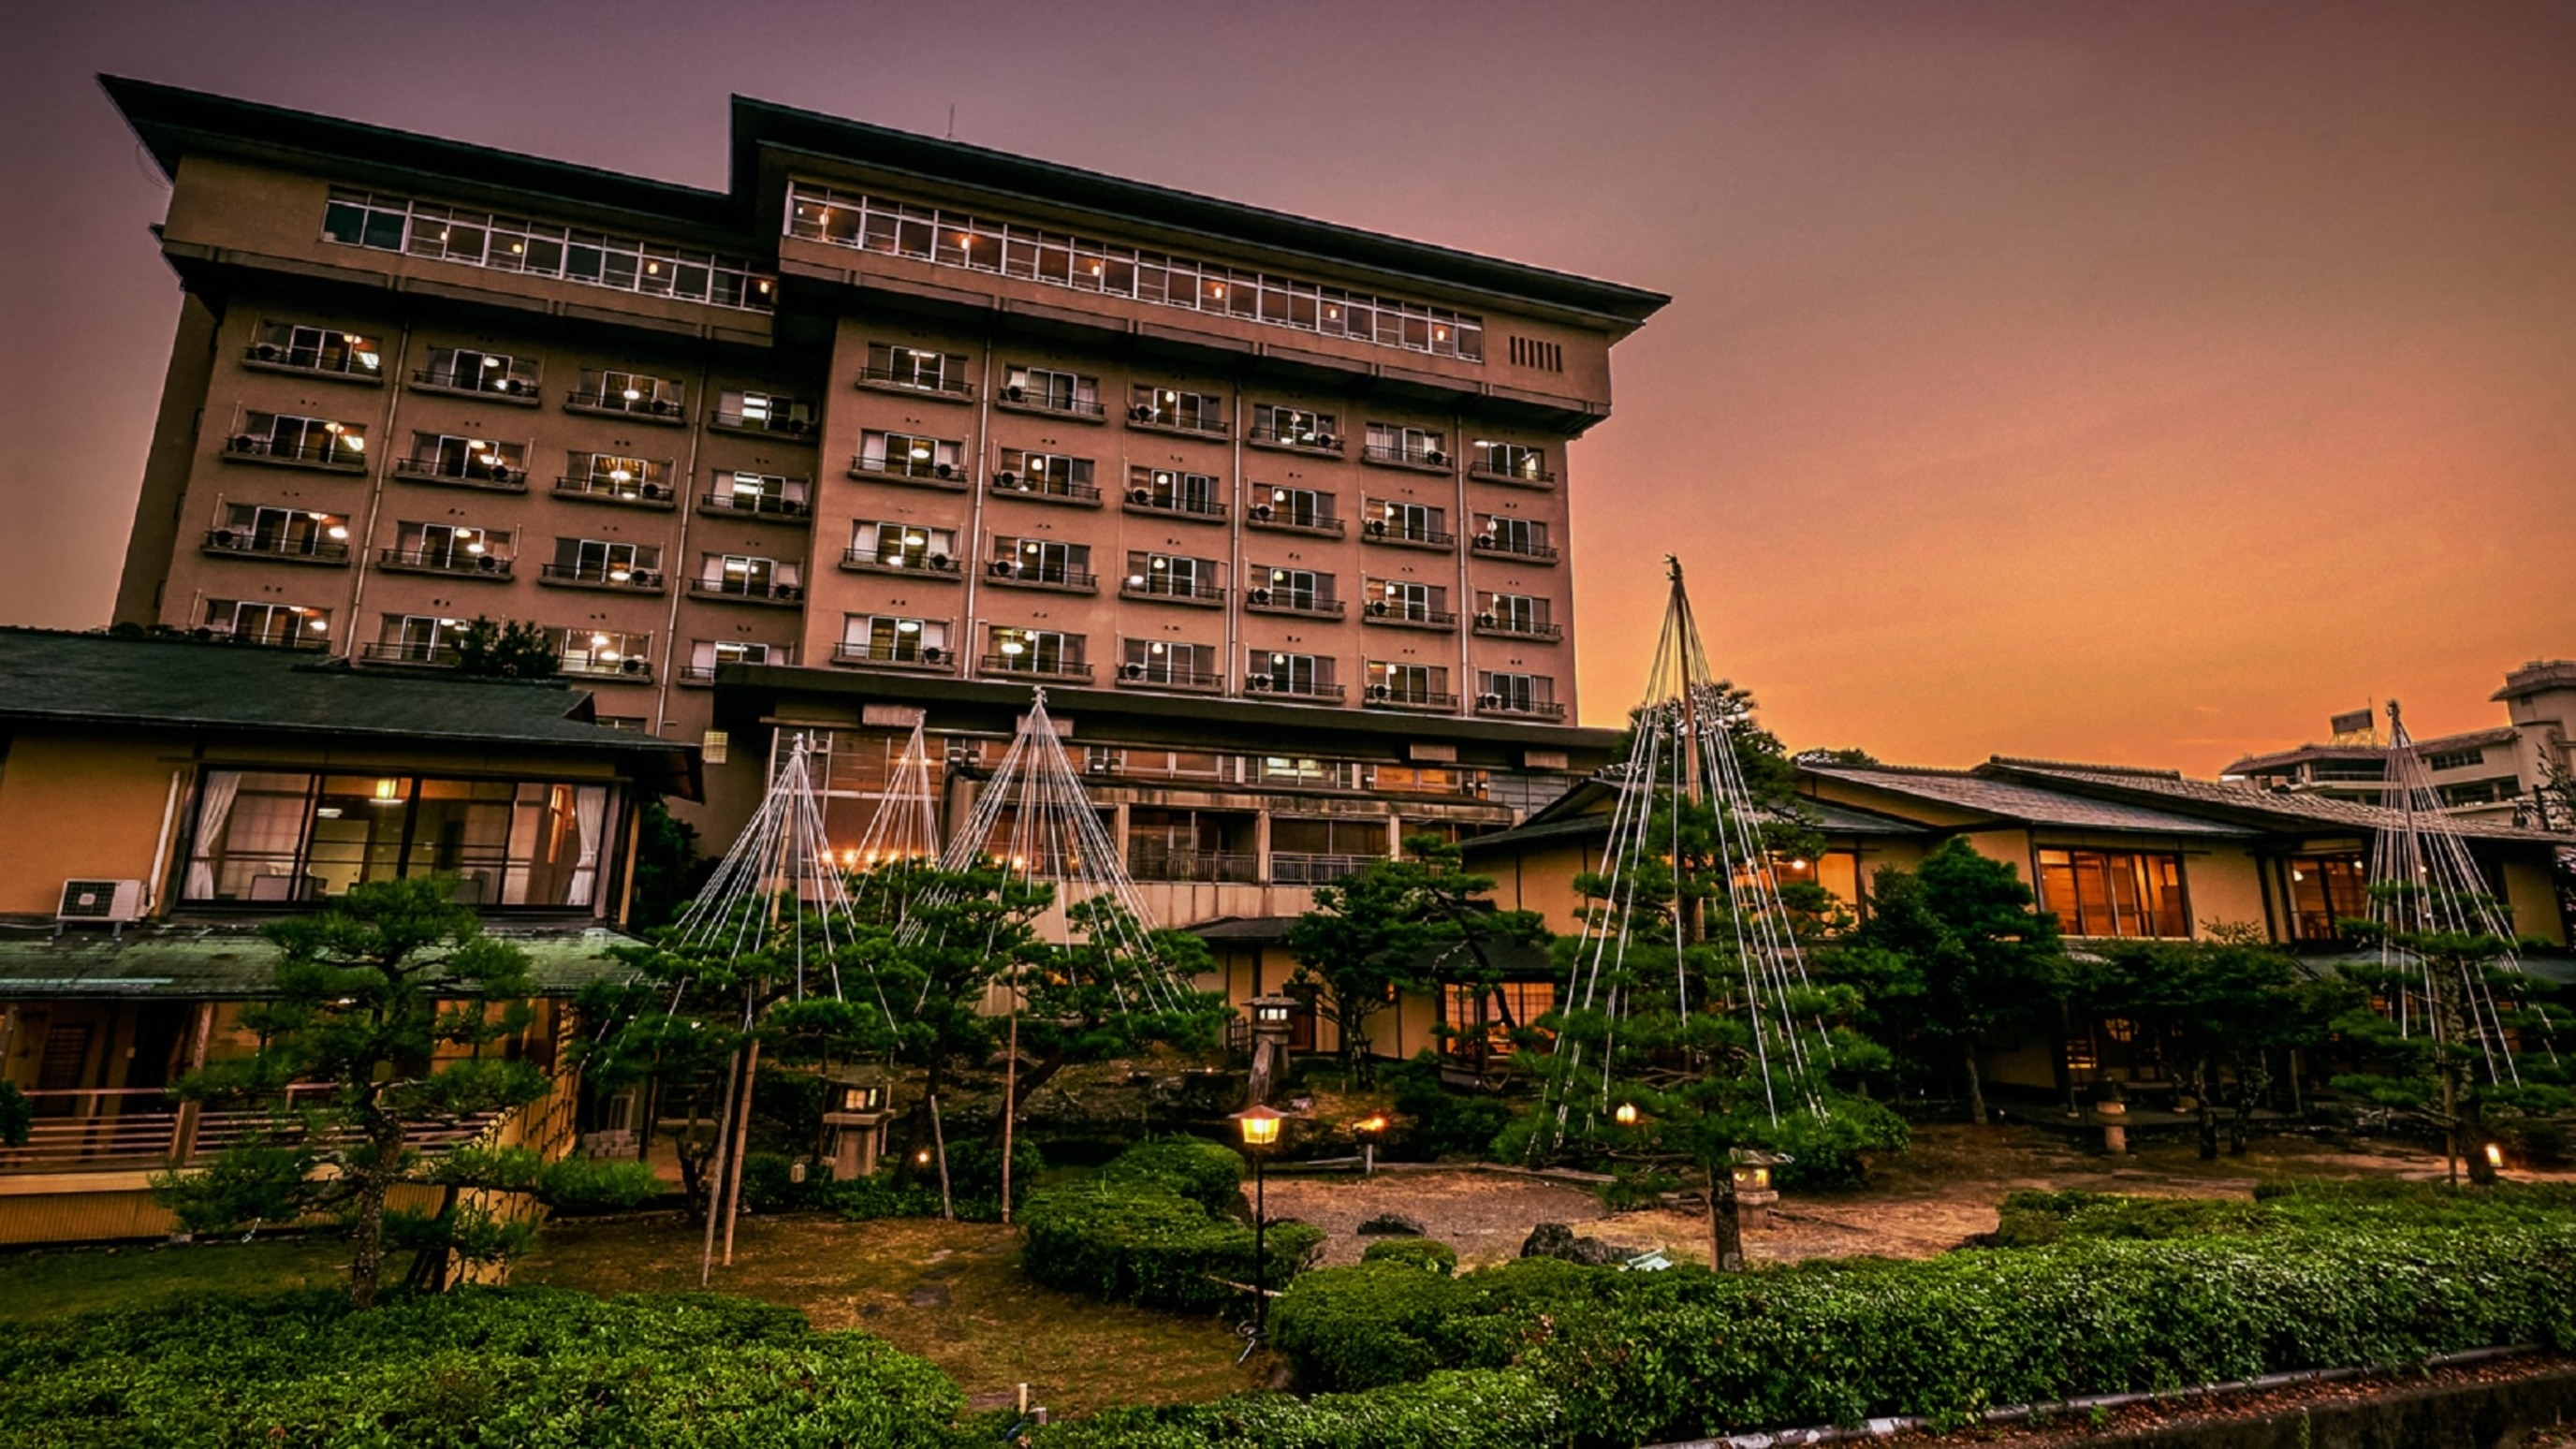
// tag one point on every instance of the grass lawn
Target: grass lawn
(49, 1283)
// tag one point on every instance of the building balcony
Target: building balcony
(1493, 547)
(450, 562)
(633, 493)
(1154, 589)
(1269, 519)
(1396, 535)
(910, 658)
(665, 412)
(331, 455)
(416, 655)
(1401, 616)
(498, 478)
(1263, 686)
(1026, 666)
(763, 425)
(1164, 864)
(610, 579)
(1142, 501)
(1420, 460)
(1504, 707)
(906, 470)
(481, 382)
(1517, 477)
(1043, 490)
(882, 379)
(1154, 420)
(247, 543)
(1494, 626)
(1021, 400)
(1299, 868)
(1323, 445)
(1004, 574)
(1281, 601)
(309, 362)
(937, 568)
(302, 641)
(761, 507)
(1151, 677)
(1396, 696)
(626, 669)
(747, 591)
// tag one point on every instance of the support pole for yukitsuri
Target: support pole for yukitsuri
(1682, 754)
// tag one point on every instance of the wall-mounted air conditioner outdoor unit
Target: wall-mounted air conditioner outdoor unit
(99, 902)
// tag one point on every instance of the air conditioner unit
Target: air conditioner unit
(1016, 394)
(221, 538)
(1489, 701)
(1131, 671)
(1257, 682)
(665, 406)
(245, 442)
(933, 654)
(1436, 458)
(946, 470)
(268, 352)
(1139, 413)
(1140, 495)
(1006, 480)
(655, 490)
(1486, 540)
(1257, 596)
(92, 902)
(1377, 525)
(488, 564)
(1377, 606)
(942, 562)
(501, 473)
(1380, 691)
(999, 568)
(1484, 621)
(1327, 441)
(1262, 510)
(630, 666)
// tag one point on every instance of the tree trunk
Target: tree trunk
(1725, 1222)
(2253, 1080)
(2202, 1079)
(1976, 1087)
(2473, 1143)
(375, 1178)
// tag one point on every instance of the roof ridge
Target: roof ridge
(2032, 762)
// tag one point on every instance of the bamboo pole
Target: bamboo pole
(1010, 1108)
(741, 1139)
(716, 1167)
(939, 1140)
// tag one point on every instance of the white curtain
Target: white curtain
(213, 815)
(589, 813)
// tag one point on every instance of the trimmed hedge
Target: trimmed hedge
(1484, 1409)
(537, 1368)
(1384, 1323)
(1150, 1229)
(1425, 1254)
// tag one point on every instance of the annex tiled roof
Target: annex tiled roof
(178, 961)
(2026, 802)
(2251, 805)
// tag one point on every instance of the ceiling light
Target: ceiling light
(634, 395)
(907, 626)
(339, 531)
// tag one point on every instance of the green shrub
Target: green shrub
(1383, 1323)
(1207, 1173)
(598, 1185)
(1480, 1409)
(521, 1367)
(1420, 1253)
(1135, 1240)
(1836, 1151)
(2035, 1219)
(1441, 1122)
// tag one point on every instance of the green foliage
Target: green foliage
(1099, 996)
(2036, 1219)
(1836, 1150)
(513, 650)
(1482, 1409)
(1134, 1233)
(666, 866)
(1416, 922)
(17, 1114)
(365, 996)
(1439, 1122)
(522, 1367)
(1384, 1323)
(1423, 1254)
(597, 1185)
(1207, 1173)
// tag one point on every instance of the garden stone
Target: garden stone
(1556, 1240)
(1394, 1225)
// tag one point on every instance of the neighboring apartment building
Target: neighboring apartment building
(2501, 773)
(901, 428)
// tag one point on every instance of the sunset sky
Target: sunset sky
(2132, 382)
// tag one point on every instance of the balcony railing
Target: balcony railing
(700, 676)
(910, 470)
(1525, 477)
(1503, 704)
(938, 567)
(1401, 535)
(768, 424)
(1261, 685)
(1324, 443)
(330, 453)
(626, 578)
(1142, 500)
(1406, 616)
(1395, 696)
(1146, 861)
(1162, 420)
(1152, 586)
(280, 357)
(300, 640)
(665, 410)
(932, 658)
(95, 1128)
(248, 543)
(627, 668)
(773, 507)
(1044, 490)
(399, 651)
(444, 561)
(1033, 666)
(1283, 601)
(1513, 547)
(1264, 515)
(1299, 868)
(1004, 573)
(504, 477)
(1429, 460)
(1152, 676)
(482, 382)
(634, 493)
(746, 591)
(1495, 626)
(905, 380)
(1021, 399)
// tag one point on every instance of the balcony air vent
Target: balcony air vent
(94, 902)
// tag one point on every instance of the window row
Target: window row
(949, 238)
(515, 244)
(288, 836)
(863, 764)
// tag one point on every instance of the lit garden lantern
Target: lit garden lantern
(1369, 1128)
(1751, 1170)
(858, 1123)
(1626, 1116)
(1270, 1018)
(1260, 1128)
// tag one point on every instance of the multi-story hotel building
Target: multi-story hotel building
(890, 430)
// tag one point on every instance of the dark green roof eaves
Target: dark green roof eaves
(179, 961)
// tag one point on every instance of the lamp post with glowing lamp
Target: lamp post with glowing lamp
(1369, 1128)
(1260, 1126)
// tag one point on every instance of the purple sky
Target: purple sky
(2131, 382)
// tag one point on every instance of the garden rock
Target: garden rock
(1394, 1225)
(1556, 1240)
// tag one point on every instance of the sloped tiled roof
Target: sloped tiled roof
(177, 961)
(2026, 802)
(2251, 805)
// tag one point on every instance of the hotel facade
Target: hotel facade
(886, 433)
